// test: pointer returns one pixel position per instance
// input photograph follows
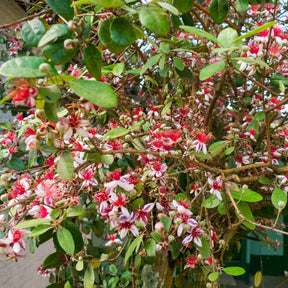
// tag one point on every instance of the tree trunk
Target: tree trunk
(163, 268)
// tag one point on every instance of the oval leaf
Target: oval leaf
(211, 69)
(32, 31)
(93, 61)
(218, 10)
(234, 271)
(26, 67)
(50, 110)
(213, 276)
(95, 92)
(66, 241)
(31, 223)
(277, 196)
(246, 212)
(258, 278)
(50, 94)
(122, 32)
(249, 195)
(62, 7)
(183, 6)
(53, 33)
(89, 277)
(150, 247)
(154, 19)
(58, 54)
(117, 132)
(65, 166)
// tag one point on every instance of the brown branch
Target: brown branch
(26, 18)
(218, 92)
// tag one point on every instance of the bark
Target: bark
(164, 267)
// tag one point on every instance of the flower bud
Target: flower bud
(186, 227)
(171, 238)
(159, 227)
(281, 205)
(221, 243)
(5, 177)
(62, 125)
(189, 143)
(160, 216)
(128, 137)
(40, 114)
(72, 25)
(126, 146)
(69, 44)
(178, 221)
(198, 218)
(199, 257)
(208, 285)
(44, 68)
(4, 197)
(244, 187)
(76, 43)
(172, 213)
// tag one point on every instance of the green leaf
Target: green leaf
(249, 195)
(246, 212)
(106, 39)
(118, 69)
(211, 69)
(65, 166)
(251, 61)
(234, 271)
(217, 147)
(79, 266)
(113, 281)
(275, 80)
(67, 285)
(66, 241)
(133, 246)
(264, 180)
(93, 61)
(39, 230)
(257, 278)
(89, 277)
(50, 94)
(218, 10)
(167, 221)
(175, 248)
(259, 116)
(58, 54)
(116, 132)
(95, 92)
(32, 31)
(255, 31)
(76, 211)
(205, 249)
(50, 110)
(241, 5)
(26, 67)
(53, 33)
(183, 5)
(122, 32)
(31, 223)
(16, 164)
(52, 261)
(113, 270)
(62, 7)
(229, 150)
(277, 196)
(199, 32)
(166, 108)
(178, 62)
(213, 276)
(227, 36)
(169, 7)
(211, 202)
(76, 234)
(107, 159)
(151, 62)
(150, 247)
(156, 236)
(102, 3)
(7, 126)
(154, 19)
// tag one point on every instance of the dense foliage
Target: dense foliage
(152, 136)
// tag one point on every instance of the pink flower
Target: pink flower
(142, 213)
(191, 261)
(216, 186)
(195, 234)
(158, 169)
(121, 181)
(199, 144)
(113, 240)
(126, 223)
(88, 178)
